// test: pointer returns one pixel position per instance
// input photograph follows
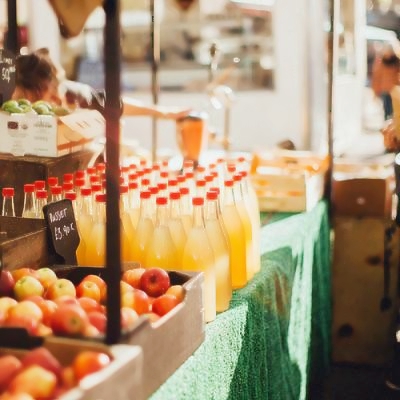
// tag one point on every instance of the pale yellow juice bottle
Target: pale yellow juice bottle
(134, 203)
(176, 226)
(95, 247)
(252, 204)
(198, 256)
(237, 237)
(248, 229)
(144, 228)
(160, 249)
(220, 246)
(186, 208)
(127, 230)
(84, 222)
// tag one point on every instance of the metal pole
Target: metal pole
(112, 67)
(333, 9)
(12, 42)
(155, 61)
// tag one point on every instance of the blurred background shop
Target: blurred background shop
(272, 54)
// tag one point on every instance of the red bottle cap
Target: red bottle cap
(56, 189)
(133, 185)
(198, 201)
(41, 194)
(29, 188)
(101, 197)
(123, 189)
(68, 178)
(40, 185)
(212, 195)
(70, 195)
(86, 191)
(175, 195)
(145, 194)
(52, 180)
(161, 201)
(8, 192)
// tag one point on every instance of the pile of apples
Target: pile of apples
(44, 304)
(38, 374)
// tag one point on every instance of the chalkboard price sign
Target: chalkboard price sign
(7, 75)
(64, 237)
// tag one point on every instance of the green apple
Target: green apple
(28, 286)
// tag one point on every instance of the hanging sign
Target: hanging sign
(7, 75)
(63, 232)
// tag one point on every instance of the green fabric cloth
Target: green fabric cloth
(276, 332)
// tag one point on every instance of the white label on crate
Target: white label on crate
(28, 134)
(88, 123)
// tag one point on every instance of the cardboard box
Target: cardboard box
(288, 181)
(362, 332)
(16, 171)
(167, 343)
(363, 189)
(48, 136)
(121, 379)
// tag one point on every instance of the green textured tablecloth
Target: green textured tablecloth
(275, 337)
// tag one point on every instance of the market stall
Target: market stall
(275, 338)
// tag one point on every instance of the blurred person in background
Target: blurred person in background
(385, 75)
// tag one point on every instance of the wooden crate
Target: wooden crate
(16, 171)
(167, 343)
(24, 243)
(361, 332)
(121, 379)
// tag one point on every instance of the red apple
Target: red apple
(47, 306)
(66, 299)
(98, 320)
(132, 276)
(88, 362)
(27, 286)
(155, 281)
(46, 276)
(6, 303)
(69, 319)
(16, 396)
(43, 330)
(125, 287)
(68, 377)
(178, 291)
(88, 289)
(44, 358)
(100, 282)
(34, 380)
(90, 332)
(21, 272)
(128, 317)
(164, 304)
(137, 300)
(26, 308)
(9, 367)
(25, 321)
(89, 305)
(7, 283)
(61, 287)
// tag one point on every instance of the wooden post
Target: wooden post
(112, 67)
(12, 42)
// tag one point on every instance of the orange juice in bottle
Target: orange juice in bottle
(144, 228)
(127, 230)
(237, 237)
(95, 247)
(134, 202)
(160, 249)
(220, 245)
(248, 230)
(84, 222)
(198, 256)
(176, 225)
(251, 200)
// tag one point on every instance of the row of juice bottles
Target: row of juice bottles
(204, 219)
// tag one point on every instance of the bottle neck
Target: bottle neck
(175, 209)
(198, 216)
(211, 210)
(29, 204)
(162, 215)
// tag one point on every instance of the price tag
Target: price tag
(7, 75)
(63, 232)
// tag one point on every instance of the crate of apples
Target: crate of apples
(73, 304)
(69, 370)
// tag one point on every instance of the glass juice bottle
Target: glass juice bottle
(95, 246)
(127, 230)
(160, 249)
(237, 237)
(252, 205)
(41, 201)
(84, 220)
(176, 225)
(198, 256)
(29, 207)
(220, 245)
(144, 228)
(8, 209)
(186, 209)
(246, 221)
